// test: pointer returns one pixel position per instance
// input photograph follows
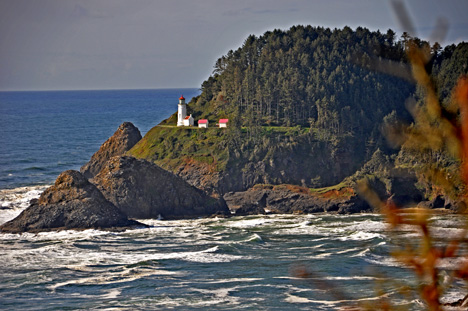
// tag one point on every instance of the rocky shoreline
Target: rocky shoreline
(113, 189)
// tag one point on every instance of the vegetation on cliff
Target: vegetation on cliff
(307, 106)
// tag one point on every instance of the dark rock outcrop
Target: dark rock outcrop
(457, 206)
(402, 189)
(435, 203)
(126, 136)
(284, 200)
(253, 208)
(141, 189)
(71, 203)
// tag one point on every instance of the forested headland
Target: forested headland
(308, 106)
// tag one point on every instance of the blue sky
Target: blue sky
(128, 44)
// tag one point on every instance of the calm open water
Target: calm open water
(240, 263)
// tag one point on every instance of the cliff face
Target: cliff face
(213, 161)
(126, 136)
(301, 160)
(71, 203)
(289, 199)
(141, 189)
(118, 187)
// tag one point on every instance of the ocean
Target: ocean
(239, 263)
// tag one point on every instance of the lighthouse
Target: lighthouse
(182, 114)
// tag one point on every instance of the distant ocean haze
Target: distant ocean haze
(45, 133)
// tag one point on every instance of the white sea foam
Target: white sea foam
(19, 197)
(345, 251)
(347, 278)
(112, 294)
(321, 256)
(360, 236)
(296, 299)
(110, 277)
(362, 253)
(65, 254)
(13, 201)
(255, 238)
(111, 261)
(234, 280)
(383, 261)
(248, 223)
(63, 236)
(219, 295)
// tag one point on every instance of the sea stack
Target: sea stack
(141, 189)
(126, 136)
(71, 203)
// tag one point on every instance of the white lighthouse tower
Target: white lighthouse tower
(182, 114)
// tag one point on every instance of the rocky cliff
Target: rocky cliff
(71, 203)
(290, 199)
(119, 187)
(126, 136)
(219, 161)
(141, 189)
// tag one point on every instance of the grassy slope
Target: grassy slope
(169, 146)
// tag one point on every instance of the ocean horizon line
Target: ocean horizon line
(97, 90)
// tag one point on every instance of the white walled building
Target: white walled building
(203, 123)
(188, 121)
(223, 122)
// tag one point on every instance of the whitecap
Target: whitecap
(109, 277)
(234, 280)
(296, 299)
(112, 294)
(350, 278)
(255, 238)
(362, 253)
(361, 235)
(321, 256)
(383, 261)
(247, 223)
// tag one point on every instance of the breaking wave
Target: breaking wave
(210, 264)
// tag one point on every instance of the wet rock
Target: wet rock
(71, 203)
(281, 199)
(236, 200)
(141, 189)
(354, 205)
(256, 208)
(250, 209)
(126, 136)
(457, 206)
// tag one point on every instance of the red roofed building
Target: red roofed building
(223, 122)
(203, 123)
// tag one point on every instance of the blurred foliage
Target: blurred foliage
(435, 145)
